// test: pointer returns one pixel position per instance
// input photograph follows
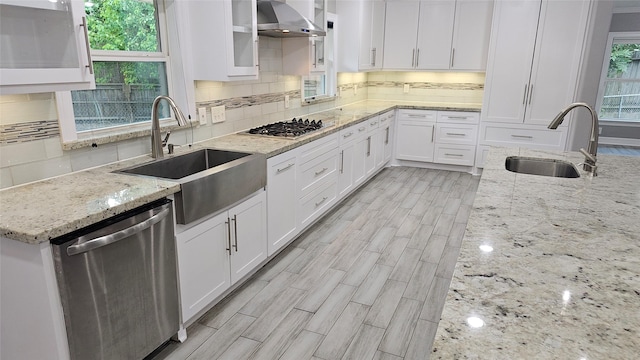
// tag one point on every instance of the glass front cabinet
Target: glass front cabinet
(45, 47)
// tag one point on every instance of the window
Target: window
(619, 93)
(127, 39)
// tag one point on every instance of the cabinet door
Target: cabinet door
(377, 31)
(346, 167)
(415, 140)
(203, 263)
(553, 78)
(435, 31)
(360, 155)
(471, 32)
(44, 47)
(281, 200)
(513, 35)
(400, 35)
(366, 58)
(242, 38)
(249, 239)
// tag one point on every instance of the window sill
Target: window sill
(100, 138)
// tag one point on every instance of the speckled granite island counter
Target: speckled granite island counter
(549, 268)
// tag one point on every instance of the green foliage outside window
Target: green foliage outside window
(620, 59)
(123, 25)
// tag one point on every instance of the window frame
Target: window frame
(630, 36)
(64, 103)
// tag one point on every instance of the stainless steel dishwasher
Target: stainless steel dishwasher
(118, 284)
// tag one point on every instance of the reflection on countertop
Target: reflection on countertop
(548, 268)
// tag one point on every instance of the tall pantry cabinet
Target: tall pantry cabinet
(532, 71)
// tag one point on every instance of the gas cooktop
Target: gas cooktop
(289, 129)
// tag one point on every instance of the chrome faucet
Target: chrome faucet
(156, 139)
(592, 149)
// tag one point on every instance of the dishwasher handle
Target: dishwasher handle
(119, 235)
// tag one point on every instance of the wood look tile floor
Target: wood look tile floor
(368, 281)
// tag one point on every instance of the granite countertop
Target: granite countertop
(38, 212)
(549, 267)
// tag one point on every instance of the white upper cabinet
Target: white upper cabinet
(301, 55)
(221, 39)
(437, 34)
(44, 47)
(534, 60)
(361, 39)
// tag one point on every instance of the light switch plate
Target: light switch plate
(406, 88)
(286, 101)
(218, 114)
(202, 115)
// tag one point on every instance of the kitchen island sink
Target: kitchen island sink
(210, 179)
(541, 166)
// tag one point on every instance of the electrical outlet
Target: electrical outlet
(355, 89)
(286, 101)
(202, 115)
(218, 114)
(406, 88)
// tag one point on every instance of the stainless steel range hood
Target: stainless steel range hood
(278, 19)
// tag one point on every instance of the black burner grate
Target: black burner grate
(293, 128)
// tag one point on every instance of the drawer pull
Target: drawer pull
(417, 115)
(369, 146)
(522, 136)
(459, 155)
(347, 135)
(284, 168)
(457, 117)
(383, 120)
(373, 123)
(456, 134)
(342, 162)
(386, 138)
(321, 201)
(362, 129)
(321, 171)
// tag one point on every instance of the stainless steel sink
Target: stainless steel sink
(210, 179)
(540, 166)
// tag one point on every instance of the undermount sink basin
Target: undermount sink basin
(210, 179)
(540, 166)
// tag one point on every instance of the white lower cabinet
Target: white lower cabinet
(282, 182)
(443, 137)
(219, 251)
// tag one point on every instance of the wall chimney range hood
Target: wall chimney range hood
(278, 19)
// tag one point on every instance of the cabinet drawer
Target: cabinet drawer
(419, 115)
(315, 171)
(458, 117)
(456, 134)
(316, 203)
(528, 137)
(454, 154)
(372, 123)
(318, 147)
(351, 133)
(387, 117)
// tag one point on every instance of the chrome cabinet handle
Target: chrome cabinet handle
(375, 51)
(433, 129)
(118, 235)
(321, 201)
(530, 94)
(284, 168)
(86, 41)
(417, 57)
(342, 162)
(457, 117)
(522, 136)
(235, 231)
(347, 135)
(228, 222)
(453, 56)
(369, 146)
(447, 154)
(524, 97)
(373, 57)
(362, 129)
(417, 116)
(373, 123)
(413, 58)
(321, 171)
(386, 139)
(315, 54)
(456, 134)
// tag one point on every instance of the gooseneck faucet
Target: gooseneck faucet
(592, 149)
(156, 139)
